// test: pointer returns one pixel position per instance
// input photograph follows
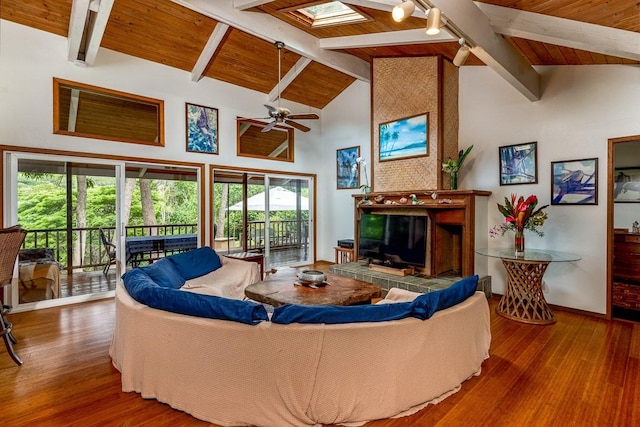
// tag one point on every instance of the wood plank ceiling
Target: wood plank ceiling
(176, 33)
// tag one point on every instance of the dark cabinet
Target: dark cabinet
(626, 271)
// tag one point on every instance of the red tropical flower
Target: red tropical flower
(520, 214)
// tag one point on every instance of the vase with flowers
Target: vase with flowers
(453, 166)
(366, 189)
(520, 214)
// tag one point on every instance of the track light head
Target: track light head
(403, 10)
(434, 21)
(462, 54)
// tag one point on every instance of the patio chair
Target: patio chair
(10, 241)
(110, 250)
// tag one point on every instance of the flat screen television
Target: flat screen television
(394, 240)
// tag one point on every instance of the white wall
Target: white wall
(345, 123)
(581, 108)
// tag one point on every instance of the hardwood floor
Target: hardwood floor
(582, 371)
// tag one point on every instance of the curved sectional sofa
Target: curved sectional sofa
(302, 371)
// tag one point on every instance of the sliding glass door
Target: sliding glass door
(263, 213)
(88, 220)
(62, 203)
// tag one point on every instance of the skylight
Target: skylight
(330, 13)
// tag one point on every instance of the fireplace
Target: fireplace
(451, 225)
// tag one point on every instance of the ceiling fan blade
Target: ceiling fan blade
(272, 110)
(298, 126)
(268, 127)
(303, 116)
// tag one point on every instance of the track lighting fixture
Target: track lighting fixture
(462, 54)
(434, 21)
(403, 10)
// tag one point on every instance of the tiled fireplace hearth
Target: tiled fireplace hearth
(386, 281)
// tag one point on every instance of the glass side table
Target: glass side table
(523, 299)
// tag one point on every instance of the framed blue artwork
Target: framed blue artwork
(519, 164)
(348, 172)
(202, 129)
(574, 182)
(404, 138)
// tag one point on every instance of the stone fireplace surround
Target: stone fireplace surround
(414, 283)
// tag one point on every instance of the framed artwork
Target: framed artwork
(574, 182)
(626, 186)
(202, 129)
(347, 170)
(519, 164)
(403, 138)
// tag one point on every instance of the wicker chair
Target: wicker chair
(10, 241)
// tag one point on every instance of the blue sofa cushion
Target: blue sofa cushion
(423, 307)
(164, 273)
(196, 263)
(330, 314)
(144, 290)
(448, 297)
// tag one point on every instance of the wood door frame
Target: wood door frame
(610, 213)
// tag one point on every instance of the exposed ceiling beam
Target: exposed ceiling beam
(466, 20)
(563, 32)
(87, 23)
(73, 110)
(99, 26)
(77, 21)
(248, 4)
(210, 48)
(271, 29)
(288, 78)
(244, 126)
(279, 149)
(391, 38)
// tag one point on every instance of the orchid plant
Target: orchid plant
(361, 162)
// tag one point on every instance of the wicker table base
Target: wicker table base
(523, 299)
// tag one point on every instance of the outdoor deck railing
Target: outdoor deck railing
(283, 234)
(94, 254)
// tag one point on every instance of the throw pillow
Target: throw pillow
(164, 273)
(196, 263)
(144, 290)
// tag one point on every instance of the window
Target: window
(328, 13)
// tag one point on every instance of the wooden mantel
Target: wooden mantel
(452, 223)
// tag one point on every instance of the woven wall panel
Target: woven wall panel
(406, 87)
(449, 117)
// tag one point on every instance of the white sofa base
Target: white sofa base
(232, 374)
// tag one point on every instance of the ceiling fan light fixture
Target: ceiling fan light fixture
(282, 115)
(434, 21)
(403, 10)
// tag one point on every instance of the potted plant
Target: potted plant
(453, 166)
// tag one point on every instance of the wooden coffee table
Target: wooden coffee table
(280, 288)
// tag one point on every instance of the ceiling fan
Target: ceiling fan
(282, 115)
